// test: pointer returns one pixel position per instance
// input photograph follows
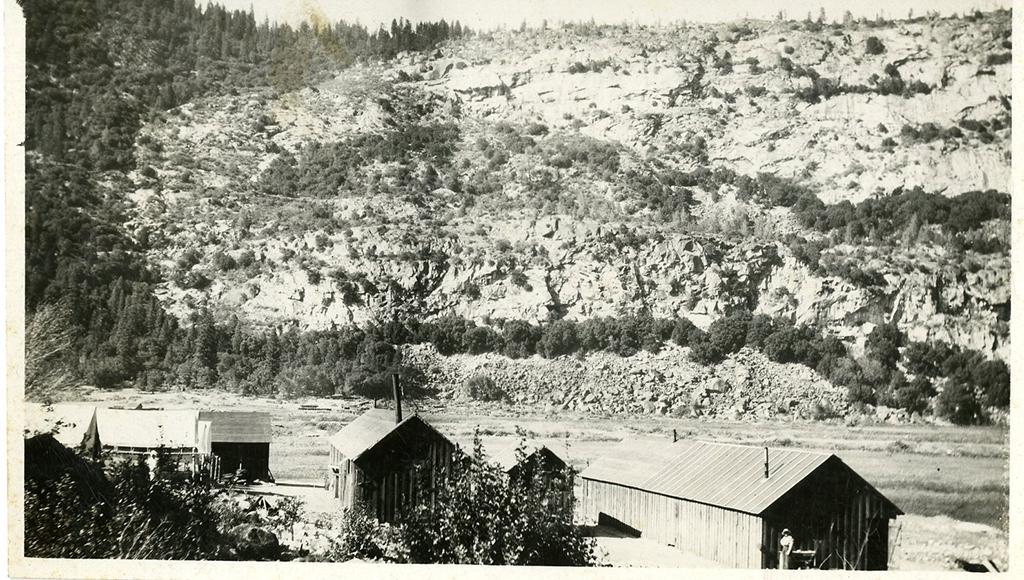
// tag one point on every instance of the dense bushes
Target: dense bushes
(559, 339)
(326, 170)
(998, 58)
(74, 511)
(822, 88)
(890, 215)
(929, 132)
(988, 380)
(958, 403)
(481, 515)
(883, 344)
(478, 515)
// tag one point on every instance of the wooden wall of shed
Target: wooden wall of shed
(729, 537)
(393, 489)
(836, 514)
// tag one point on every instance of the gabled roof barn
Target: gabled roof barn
(719, 474)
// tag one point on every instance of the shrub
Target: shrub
(927, 358)
(998, 58)
(481, 387)
(846, 372)
(755, 91)
(821, 411)
(194, 280)
(594, 333)
(519, 339)
(705, 352)
(559, 338)
(958, 403)
(859, 393)
(110, 372)
(873, 46)
(306, 380)
(685, 332)
(883, 344)
(313, 276)
(729, 334)
(446, 333)
(189, 258)
(961, 364)
(914, 396)
(245, 259)
(361, 536)
(784, 344)
(483, 516)
(79, 511)
(992, 378)
(761, 326)
(481, 339)
(536, 129)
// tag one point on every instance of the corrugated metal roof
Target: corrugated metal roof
(720, 474)
(149, 429)
(365, 431)
(237, 426)
(68, 423)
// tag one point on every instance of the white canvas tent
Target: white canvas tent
(147, 429)
(74, 426)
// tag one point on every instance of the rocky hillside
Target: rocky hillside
(589, 171)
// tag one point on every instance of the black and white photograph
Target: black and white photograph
(693, 286)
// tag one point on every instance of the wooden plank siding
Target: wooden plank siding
(726, 536)
(836, 514)
(395, 487)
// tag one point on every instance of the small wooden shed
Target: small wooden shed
(546, 461)
(730, 503)
(383, 461)
(241, 441)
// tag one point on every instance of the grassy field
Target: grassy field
(935, 473)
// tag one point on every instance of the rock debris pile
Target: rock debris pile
(745, 386)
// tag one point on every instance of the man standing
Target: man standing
(785, 549)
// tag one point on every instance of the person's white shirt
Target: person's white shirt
(786, 543)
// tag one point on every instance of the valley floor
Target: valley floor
(951, 481)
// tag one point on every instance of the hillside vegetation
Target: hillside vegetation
(276, 210)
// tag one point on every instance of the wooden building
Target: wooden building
(546, 461)
(537, 457)
(730, 503)
(241, 442)
(384, 461)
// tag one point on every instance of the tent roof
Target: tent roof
(719, 474)
(148, 428)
